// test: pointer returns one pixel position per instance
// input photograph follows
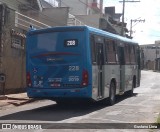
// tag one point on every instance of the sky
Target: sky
(144, 33)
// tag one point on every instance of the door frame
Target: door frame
(100, 54)
(121, 58)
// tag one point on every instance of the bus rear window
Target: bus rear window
(47, 41)
(57, 42)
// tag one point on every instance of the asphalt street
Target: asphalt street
(143, 107)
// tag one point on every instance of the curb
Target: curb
(3, 97)
(12, 98)
(17, 103)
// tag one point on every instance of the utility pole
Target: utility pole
(134, 20)
(60, 3)
(123, 11)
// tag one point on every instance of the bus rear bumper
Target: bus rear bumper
(59, 93)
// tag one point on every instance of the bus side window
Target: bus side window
(111, 51)
(132, 55)
(127, 54)
(93, 48)
(106, 51)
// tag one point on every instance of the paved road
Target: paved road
(143, 107)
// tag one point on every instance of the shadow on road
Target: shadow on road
(57, 112)
(54, 112)
(125, 96)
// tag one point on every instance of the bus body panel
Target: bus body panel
(94, 82)
(57, 61)
(59, 93)
(129, 73)
(121, 73)
(112, 72)
(58, 72)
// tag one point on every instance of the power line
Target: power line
(134, 20)
(137, 22)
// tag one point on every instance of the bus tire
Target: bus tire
(112, 93)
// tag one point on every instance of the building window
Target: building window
(17, 39)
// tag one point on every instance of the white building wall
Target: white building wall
(77, 7)
(91, 20)
(151, 53)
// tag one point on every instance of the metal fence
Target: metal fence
(24, 22)
(73, 21)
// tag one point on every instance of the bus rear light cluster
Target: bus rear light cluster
(28, 78)
(85, 78)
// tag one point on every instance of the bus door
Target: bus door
(100, 63)
(121, 57)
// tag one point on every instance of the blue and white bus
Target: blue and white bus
(80, 62)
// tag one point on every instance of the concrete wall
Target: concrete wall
(76, 7)
(150, 52)
(91, 20)
(12, 59)
(52, 16)
(81, 7)
(17, 4)
(58, 16)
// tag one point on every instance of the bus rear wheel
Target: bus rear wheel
(112, 94)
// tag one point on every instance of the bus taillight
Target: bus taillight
(85, 78)
(28, 78)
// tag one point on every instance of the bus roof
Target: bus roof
(81, 28)
(111, 35)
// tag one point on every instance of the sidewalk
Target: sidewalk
(15, 100)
